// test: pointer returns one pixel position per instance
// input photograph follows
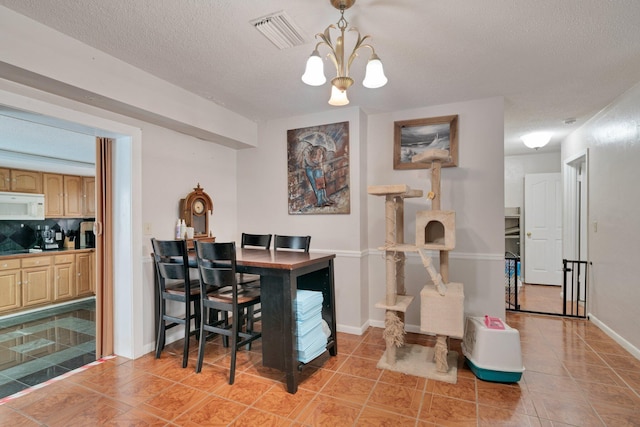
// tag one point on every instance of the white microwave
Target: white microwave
(21, 206)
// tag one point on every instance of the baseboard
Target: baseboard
(617, 338)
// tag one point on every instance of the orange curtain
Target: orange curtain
(104, 247)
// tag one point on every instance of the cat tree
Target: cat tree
(442, 303)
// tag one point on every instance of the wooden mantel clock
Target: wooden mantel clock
(196, 209)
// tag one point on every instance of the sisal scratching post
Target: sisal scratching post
(440, 354)
(393, 335)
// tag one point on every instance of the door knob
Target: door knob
(529, 234)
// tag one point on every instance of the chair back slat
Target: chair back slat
(292, 242)
(257, 240)
(215, 275)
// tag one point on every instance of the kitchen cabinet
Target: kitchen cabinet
(10, 295)
(36, 280)
(20, 181)
(23, 181)
(64, 277)
(85, 277)
(5, 179)
(39, 280)
(89, 196)
(53, 186)
(63, 195)
(73, 196)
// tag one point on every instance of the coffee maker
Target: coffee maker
(49, 238)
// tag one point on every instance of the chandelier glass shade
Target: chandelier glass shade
(314, 71)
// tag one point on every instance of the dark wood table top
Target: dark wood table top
(281, 259)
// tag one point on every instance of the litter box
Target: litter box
(492, 350)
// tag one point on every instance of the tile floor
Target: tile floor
(38, 346)
(546, 299)
(575, 376)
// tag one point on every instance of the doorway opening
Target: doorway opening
(566, 294)
(53, 115)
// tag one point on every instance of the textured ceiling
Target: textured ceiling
(551, 60)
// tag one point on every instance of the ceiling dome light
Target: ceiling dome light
(536, 140)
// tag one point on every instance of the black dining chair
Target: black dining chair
(292, 242)
(220, 292)
(175, 284)
(258, 241)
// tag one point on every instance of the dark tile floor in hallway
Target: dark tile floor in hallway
(38, 346)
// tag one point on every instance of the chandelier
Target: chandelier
(314, 71)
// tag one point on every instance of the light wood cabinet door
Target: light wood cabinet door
(53, 186)
(89, 196)
(64, 277)
(10, 296)
(5, 179)
(73, 196)
(85, 282)
(36, 285)
(26, 181)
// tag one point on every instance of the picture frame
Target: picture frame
(318, 170)
(411, 137)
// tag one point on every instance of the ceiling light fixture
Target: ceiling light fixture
(536, 140)
(314, 72)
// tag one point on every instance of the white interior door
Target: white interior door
(543, 229)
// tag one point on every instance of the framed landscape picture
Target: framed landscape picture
(412, 137)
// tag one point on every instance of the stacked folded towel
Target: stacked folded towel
(310, 337)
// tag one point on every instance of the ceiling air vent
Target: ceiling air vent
(280, 30)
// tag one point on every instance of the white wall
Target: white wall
(263, 205)
(613, 140)
(516, 167)
(172, 166)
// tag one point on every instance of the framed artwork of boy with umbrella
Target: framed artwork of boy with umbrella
(318, 169)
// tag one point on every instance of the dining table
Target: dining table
(282, 273)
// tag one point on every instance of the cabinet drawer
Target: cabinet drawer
(9, 264)
(64, 259)
(36, 261)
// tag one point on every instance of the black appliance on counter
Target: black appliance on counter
(86, 237)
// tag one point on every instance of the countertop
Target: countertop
(50, 252)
